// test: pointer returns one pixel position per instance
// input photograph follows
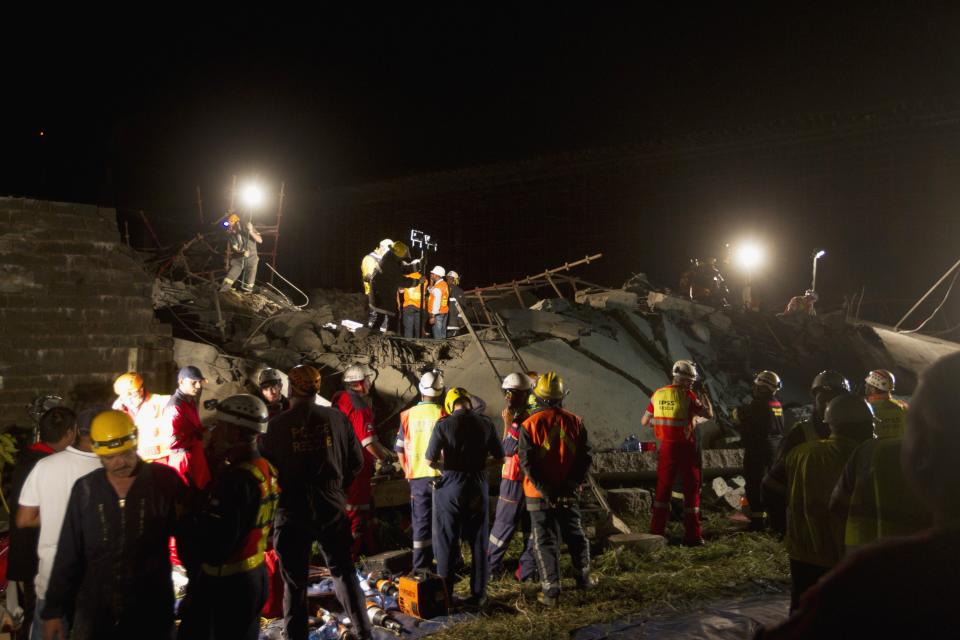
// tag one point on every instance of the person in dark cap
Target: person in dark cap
(182, 415)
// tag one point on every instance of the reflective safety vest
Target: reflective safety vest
(251, 552)
(555, 435)
(511, 461)
(891, 415)
(439, 300)
(672, 418)
(154, 434)
(416, 427)
(368, 267)
(412, 296)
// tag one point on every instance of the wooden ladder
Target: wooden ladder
(498, 328)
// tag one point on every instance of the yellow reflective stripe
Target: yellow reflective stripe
(232, 568)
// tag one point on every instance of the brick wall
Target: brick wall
(75, 307)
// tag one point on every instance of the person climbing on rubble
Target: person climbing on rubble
(873, 494)
(146, 410)
(182, 418)
(459, 447)
(804, 305)
(891, 413)
(826, 386)
(410, 305)
(456, 300)
(555, 457)
(806, 479)
(511, 507)
(271, 391)
(316, 456)
(355, 403)
(370, 264)
(228, 535)
(242, 241)
(903, 588)
(112, 567)
(385, 284)
(760, 424)
(416, 427)
(671, 412)
(438, 303)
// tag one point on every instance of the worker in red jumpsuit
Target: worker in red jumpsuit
(187, 456)
(354, 402)
(671, 411)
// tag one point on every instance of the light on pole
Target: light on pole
(816, 256)
(749, 257)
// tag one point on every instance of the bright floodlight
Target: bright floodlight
(252, 195)
(749, 256)
(819, 254)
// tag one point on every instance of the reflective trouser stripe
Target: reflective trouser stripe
(422, 544)
(247, 564)
(495, 541)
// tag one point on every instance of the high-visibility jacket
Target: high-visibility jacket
(891, 415)
(673, 408)
(416, 427)
(250, 554)
(413, 295)
(811, 471)
(876, 498)
(368, 267)
(439, 300)
(511, 460)
(553, 451)
(154, 434)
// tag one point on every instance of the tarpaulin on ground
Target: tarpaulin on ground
(721, 620)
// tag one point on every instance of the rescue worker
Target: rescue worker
(385, 284)
(228, 538)
(904, 588)
(146, 409)
(826, 386)
(242, 241)
(459, 446)
(412, 300)
(371, 263)
(438, 303)
(891, 413)
(354, 402)
(555, 458)
(671, 411)
(802, 305)
(873, 496)
(112, 567)
(511, 508)
(760, 424)
(456, 301)
(182, 418)
(271, 391)
(316, 456)
(416, 427)
(814, 539)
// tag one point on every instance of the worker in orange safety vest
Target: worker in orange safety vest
(412, 300)
(146, 409)
(438, 304)
(671, 412)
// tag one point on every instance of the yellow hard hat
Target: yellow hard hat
(453, 396)
(113, 432)
(549, 386)
(233, 219)
(400, 249)
(130, 381)
(304, 380)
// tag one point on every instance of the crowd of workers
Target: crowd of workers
(110, 499)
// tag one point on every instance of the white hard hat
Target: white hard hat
(810, 293)
(768, 380)
(355, 373)
(431, 383)
(244, 410)
(386, 244)
(270, 376)
(453, 274)
(881, 379)
(439, 271)
(517, 382)
(685, 369)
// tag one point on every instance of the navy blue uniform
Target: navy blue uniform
(511, 509)
(461, 443)
(316, 456)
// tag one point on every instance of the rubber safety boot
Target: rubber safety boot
(551, 599)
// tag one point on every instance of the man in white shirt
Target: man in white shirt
(43, 500)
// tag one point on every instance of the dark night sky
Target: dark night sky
(136, 116)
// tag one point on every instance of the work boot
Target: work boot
(551, 599)
(586, 583)
(700, 542)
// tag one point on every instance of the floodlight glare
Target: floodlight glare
(252, 195)
(748, 256)
(819, 254)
